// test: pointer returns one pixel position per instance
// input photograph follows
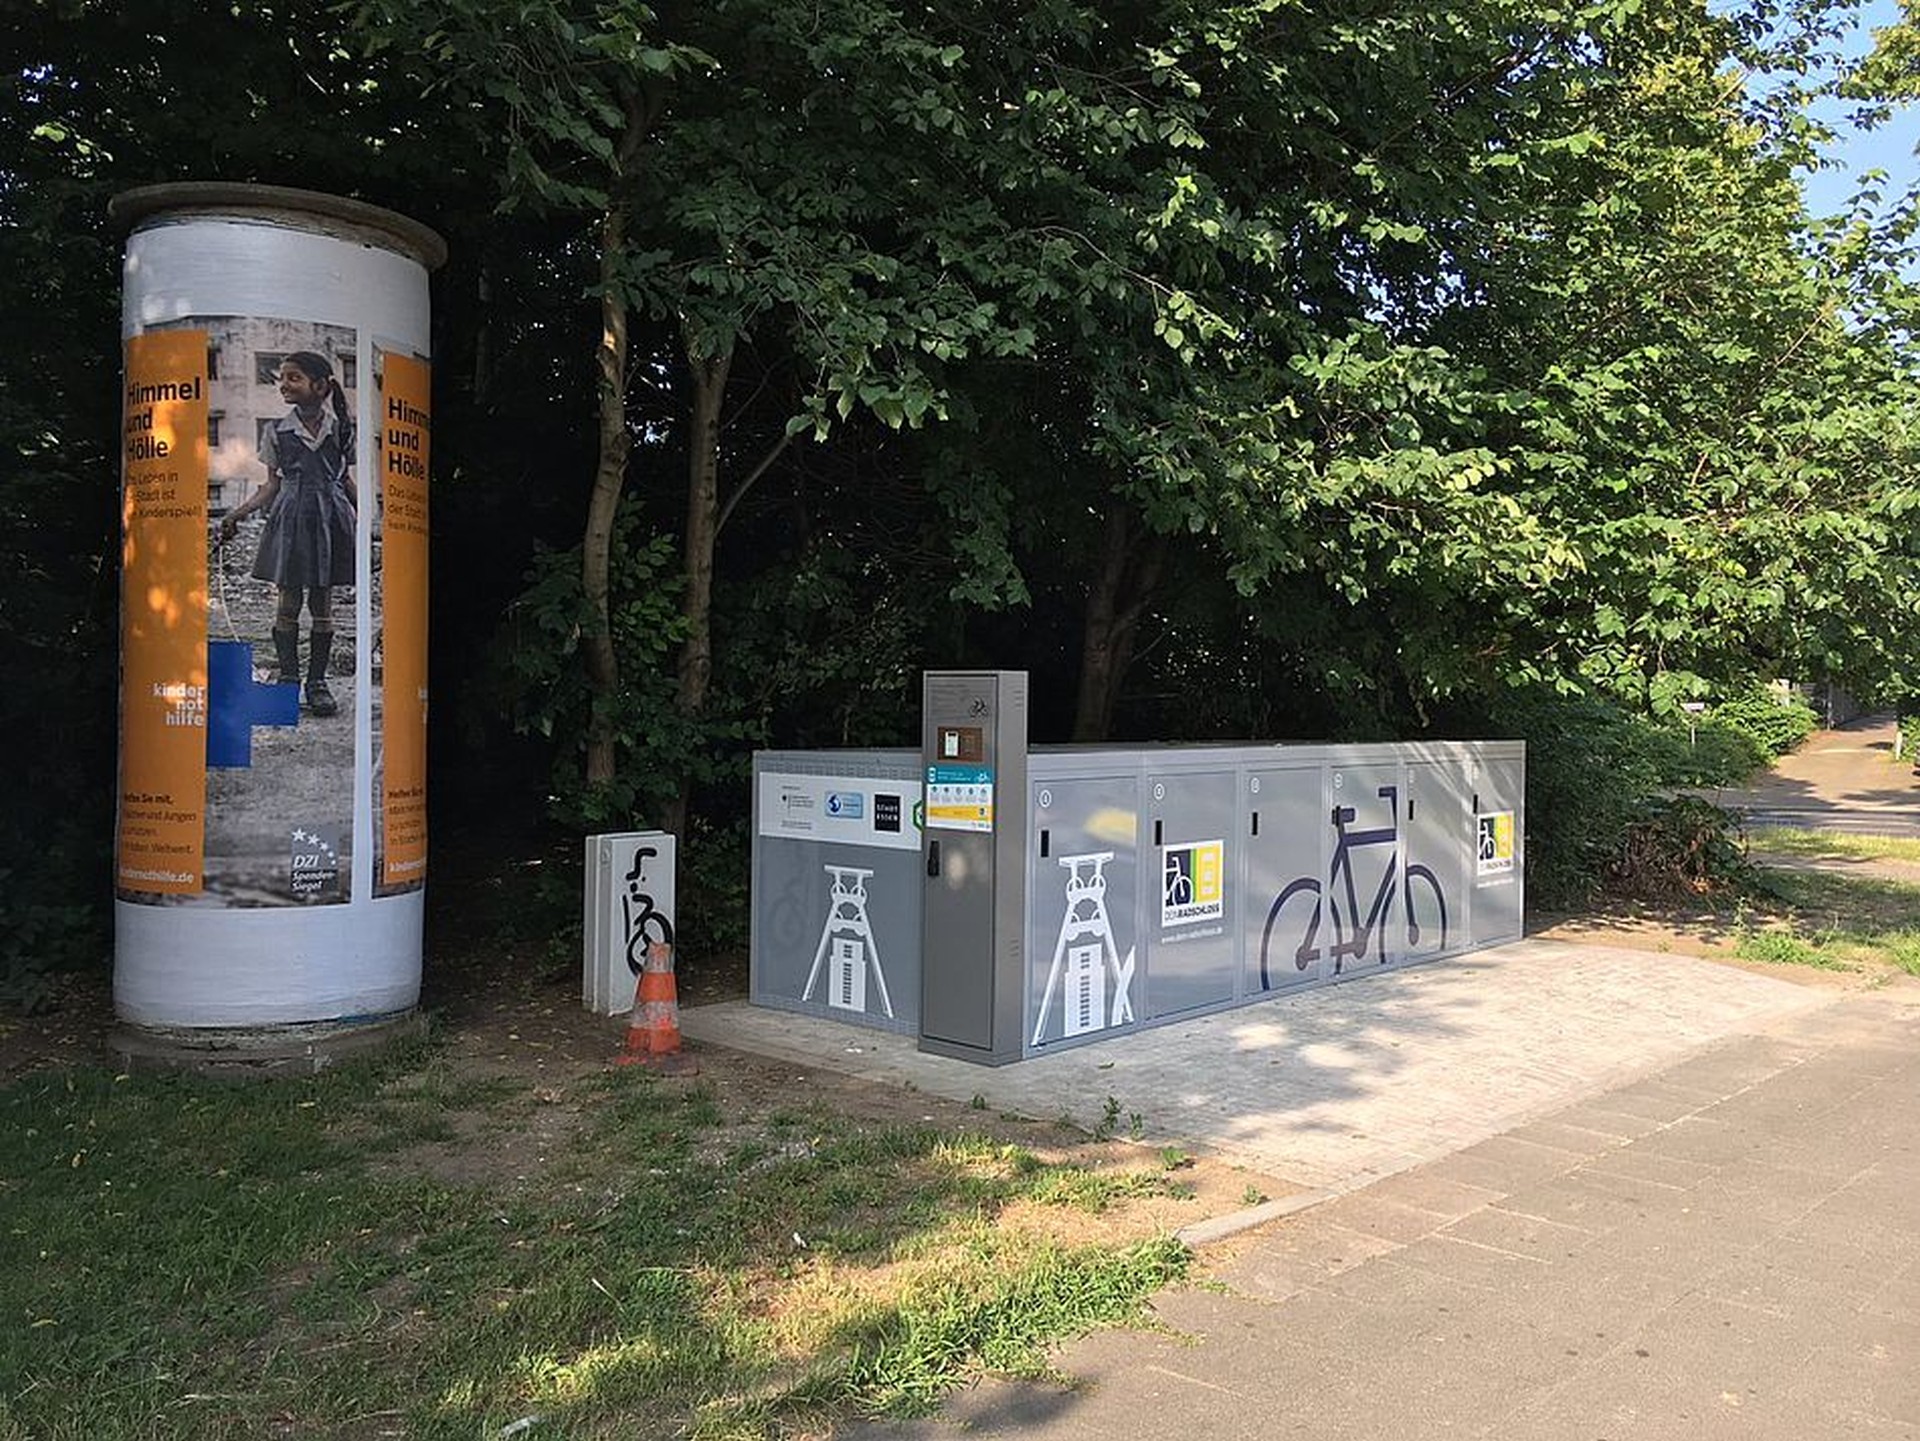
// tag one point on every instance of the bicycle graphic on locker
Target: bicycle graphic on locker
(1424, 905)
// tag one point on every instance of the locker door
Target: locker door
(1499, 850)
(1429, 914)
(1363, 810)
(1192, 908)
(1082, 946)
(1284, 820)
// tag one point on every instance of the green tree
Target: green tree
(1891, 71)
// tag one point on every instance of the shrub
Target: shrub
(38, 941)
(1774, 722)
(1590, 767)
(1716, 754)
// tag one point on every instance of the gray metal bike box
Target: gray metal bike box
(836, 903)
(1166, 881)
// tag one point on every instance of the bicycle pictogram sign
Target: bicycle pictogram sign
(1336, 904)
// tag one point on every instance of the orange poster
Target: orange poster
(406, 400)
(163, 614)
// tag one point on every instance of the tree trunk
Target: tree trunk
(703, 516)
(610, 472)
(1122, 587)
(609, 478)
(483, 337)
(695, 677)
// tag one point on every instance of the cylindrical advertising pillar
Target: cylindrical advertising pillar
(270, 859)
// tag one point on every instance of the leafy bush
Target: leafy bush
(1715, 753)
(1773, 721)
(40, 941)
(1589, 766)
(1910, 738)
(712, 895)
(539, 678)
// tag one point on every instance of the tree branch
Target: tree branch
(779, 446)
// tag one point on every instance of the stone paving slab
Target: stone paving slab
(1766, 1292)
(1336, 1088)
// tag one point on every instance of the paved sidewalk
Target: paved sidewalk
(1336, 1088)
(1727, 1246)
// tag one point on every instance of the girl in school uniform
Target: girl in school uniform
(307, 544)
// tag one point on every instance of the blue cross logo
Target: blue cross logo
(236, 703)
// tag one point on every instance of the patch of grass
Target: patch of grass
(235, 1258)
(1851, 922)
(1832, 844)
(983, 1303)
(1783, 948)
(1096, 1191)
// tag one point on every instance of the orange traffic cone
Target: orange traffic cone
(653, 1033)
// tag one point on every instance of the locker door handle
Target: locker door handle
(1046, 838)
(1409, 807)
(1256, 823)
(933, 858)
(1156, 833)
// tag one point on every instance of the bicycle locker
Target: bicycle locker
(1000, 901)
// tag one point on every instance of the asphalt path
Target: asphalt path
(1843, 780)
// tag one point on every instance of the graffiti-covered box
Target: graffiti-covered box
(629, 906)
(836, 885)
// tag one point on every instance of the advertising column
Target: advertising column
(272, 824)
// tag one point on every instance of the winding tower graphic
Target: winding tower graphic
(1086, 956)
(847, 949)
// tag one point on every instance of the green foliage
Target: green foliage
(1590, 769)
(1891, 71)
(42, 940)
(541, 685)
(1731, 739)
(1716, 753)
(557, 81)
(1774, 722)
(712, 896)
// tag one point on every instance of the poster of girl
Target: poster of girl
(306, 547)
(284, 571)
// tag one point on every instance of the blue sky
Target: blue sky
(1889, 148)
